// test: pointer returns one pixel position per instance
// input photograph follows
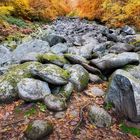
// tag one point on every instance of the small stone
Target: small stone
(54, 103)
(60, 115)
(38, 130)
(99, 116)
(97, 91)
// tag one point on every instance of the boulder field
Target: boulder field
(68, 55)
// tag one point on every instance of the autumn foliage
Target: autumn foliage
(113, 12)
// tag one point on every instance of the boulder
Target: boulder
(76, 59)
(99, 116)
(113, 61)
(55, 103)
(52, 74)
(9, 80)
(121, 47)
(5, 55)
(54, 39)
(53, 58)
(59, 48)
(78, 76)
(32, 90)
(38, 129)
(124, 93)
(36, 46)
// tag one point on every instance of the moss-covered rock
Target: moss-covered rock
(79, 76)
(38, 129)
(52, 74)
(8, 81)
(55, 103)
(52, 58)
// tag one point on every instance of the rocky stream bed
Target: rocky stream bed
(73, 79)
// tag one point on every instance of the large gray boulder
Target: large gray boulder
(38, 130)
(52, 74)
(99, 116)
(124, 93)
(9, 80)
(36, 46)
(113, 61)
(53, 58)
(32, 90)
(121, 47)
(5, 55)
(78, 76)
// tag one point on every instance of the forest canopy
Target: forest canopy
(115, 13)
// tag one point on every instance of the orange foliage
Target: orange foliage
(114, 12)
(88, 8)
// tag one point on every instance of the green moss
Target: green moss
(29, 128)
(42, 107)
(53, 69)
(53, 58)
(108, 106)
(15, 74)
(30, 112)
(135, 43)
(131, 130)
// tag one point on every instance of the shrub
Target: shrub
(6, 10)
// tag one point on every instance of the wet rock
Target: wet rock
(37, 46)
(53, 58)
(38, 129)
(54, 39)
(97, 91)
(113, 61)
(59, 48)
(121, 47)
(99, 116)
(55, 103)
(95, 79)
(32, 90)
(124, 93)
(5, 56)
(79, 77)
(52, 74)
(128, 30)
(76, 59)
(8, 81)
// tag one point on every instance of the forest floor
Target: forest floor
(72, 124)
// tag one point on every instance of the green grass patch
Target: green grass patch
(15, 21)
(108, 106)
(131, 130)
